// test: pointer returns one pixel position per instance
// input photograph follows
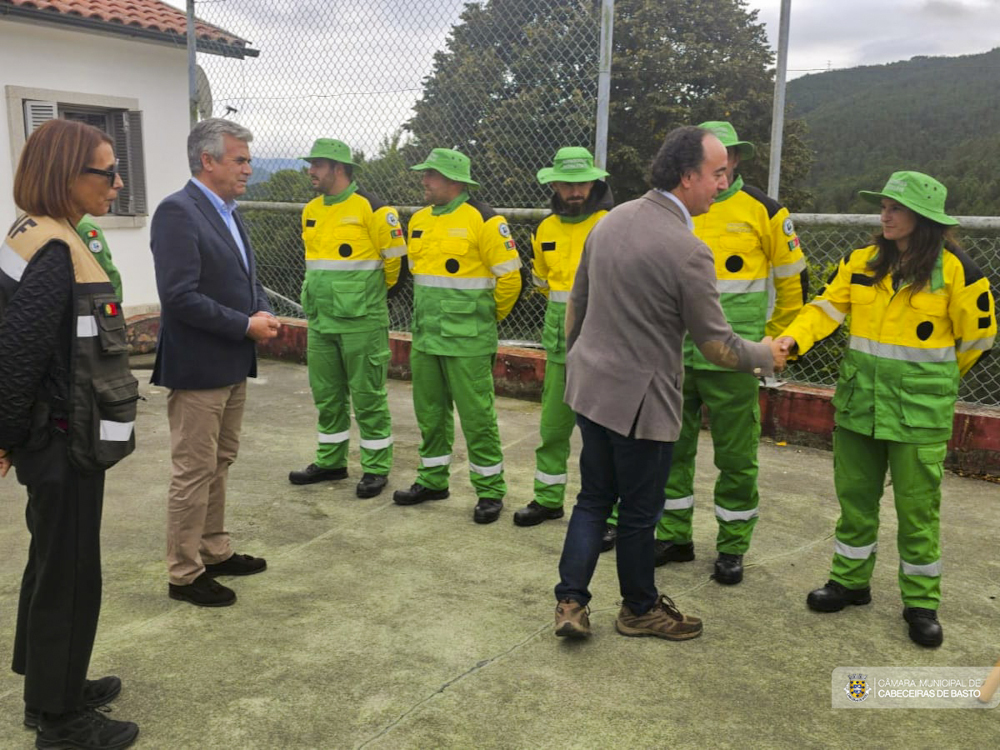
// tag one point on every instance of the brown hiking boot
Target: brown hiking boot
(572, 619)
(663, 620)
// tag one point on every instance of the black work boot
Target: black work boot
(833, 597)
(609, 538)
(313, 473)
(96, 693)
(371, 485)
(667, 552)
(535, 513)
(86, 729)
(925, 630)
(728, 569)
(417, 494)
(487, 510)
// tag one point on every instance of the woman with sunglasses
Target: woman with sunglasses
(67, 410)
(921, 314)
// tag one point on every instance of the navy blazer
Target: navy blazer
(206, 295)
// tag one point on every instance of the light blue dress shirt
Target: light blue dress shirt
(225, 210)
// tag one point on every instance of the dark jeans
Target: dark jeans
(635, 472)
(61, 589)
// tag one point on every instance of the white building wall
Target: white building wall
(35, 55)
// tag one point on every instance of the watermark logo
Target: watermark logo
(857, 687)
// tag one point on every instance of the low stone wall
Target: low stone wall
(793, 413)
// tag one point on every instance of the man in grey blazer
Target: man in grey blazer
(643, 281)
(213, 310)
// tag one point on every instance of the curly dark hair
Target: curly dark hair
(682, 151)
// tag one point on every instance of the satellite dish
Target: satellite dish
(203, 93)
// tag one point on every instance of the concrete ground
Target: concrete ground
(388, 627)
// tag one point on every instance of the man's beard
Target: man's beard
(574, 208)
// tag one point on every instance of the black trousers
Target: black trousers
(61, 589)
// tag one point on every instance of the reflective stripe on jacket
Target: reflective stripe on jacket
(466, 277)
(906, 350)
(103, 393)
(353, 251)
(752, 236)
(557, 245)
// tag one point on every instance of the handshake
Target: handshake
(781, 347)
(263, 326)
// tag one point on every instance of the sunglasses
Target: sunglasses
(111, 174)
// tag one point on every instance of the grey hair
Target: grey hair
(206, 138)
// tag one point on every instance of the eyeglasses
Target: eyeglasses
(111, 174)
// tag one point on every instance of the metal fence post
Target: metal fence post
(604, 82)
(778, 113)
(192, 49)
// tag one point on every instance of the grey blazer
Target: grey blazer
(643, 280)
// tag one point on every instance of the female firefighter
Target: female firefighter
(921, 314)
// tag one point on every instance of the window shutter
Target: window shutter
(119, 134)
(137, 163)
(37, 113)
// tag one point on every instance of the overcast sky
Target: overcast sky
(847, 33)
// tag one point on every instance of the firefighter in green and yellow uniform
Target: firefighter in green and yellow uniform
(465, 278)
(93, 238)
(921, 314)
(580, 199)
(354, 245)
(752, 239)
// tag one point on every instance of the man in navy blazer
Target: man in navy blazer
(213, 310)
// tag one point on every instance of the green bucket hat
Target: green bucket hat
(571, 164)
(332, 149)
(452, 164)
(917, 191)
(726, 133)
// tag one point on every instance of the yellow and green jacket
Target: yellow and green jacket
(907, 350)
(466, 277)
(751, 236)
(557, 245)
(354, 244)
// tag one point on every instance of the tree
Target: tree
(519, 79)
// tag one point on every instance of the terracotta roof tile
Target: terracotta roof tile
(144, 14)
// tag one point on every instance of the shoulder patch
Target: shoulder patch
(96, 246)
(373, 200)
(972, 271)
(760, 196)
(484, 210)
(504, 230)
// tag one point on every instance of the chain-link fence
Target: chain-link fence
(824, 240)
(394, 79)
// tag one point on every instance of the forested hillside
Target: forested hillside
(939, 115)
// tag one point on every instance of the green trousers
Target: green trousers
(556, 428)
(346, 368)
(439, 383)
(859, 467)
(734, 411)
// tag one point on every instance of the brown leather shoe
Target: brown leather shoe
(663, 620)
(572, 619)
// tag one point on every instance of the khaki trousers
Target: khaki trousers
(204, 439)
